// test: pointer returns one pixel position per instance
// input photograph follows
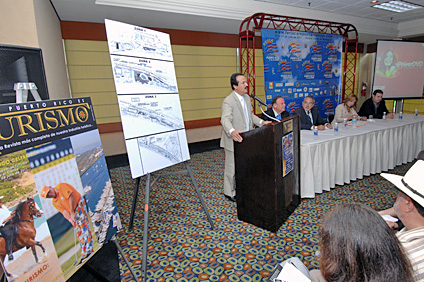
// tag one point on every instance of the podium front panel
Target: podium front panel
(264, 197)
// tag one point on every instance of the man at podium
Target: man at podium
(236, 117)
(277, 110)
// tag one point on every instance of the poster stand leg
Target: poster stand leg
(198, 194)
(134, 203)
(123, 256)
(146, 226)
(149, 184)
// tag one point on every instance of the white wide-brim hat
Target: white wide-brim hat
(412, 184)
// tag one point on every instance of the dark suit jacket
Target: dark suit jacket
(305, 123)
(368, 108)
(270, 112)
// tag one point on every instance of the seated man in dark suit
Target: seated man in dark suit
(375, 106)
(309, 116)
(277, 110)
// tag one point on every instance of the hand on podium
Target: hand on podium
(236, 136)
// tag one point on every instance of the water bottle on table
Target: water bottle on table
(345, 122)
(336, 128)
(315, 132)
(384, 115)
(416, 113)
(354, 122)
(400, 116)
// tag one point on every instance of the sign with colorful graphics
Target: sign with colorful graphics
(299, 64)
(55, 182)
(288, 155)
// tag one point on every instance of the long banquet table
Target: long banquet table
(374, 146)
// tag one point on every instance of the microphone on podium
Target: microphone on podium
(259, 100)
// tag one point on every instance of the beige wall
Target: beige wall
(17, 23)
(365, 67)
(33, 23)
(50, 42)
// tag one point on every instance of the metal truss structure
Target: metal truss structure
(250, 29)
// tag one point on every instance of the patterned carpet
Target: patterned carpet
(182, 247)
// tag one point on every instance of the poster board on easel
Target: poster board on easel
(53, 143)
(149, 103)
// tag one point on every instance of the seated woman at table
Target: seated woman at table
(346, 110)
(357, 245)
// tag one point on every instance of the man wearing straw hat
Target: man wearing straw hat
(68, 201)
(409, 208)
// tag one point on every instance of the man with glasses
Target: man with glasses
(309, 116)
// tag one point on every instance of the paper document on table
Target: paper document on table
(290, 273)
(387, 217)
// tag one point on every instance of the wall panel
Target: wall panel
(202, 76)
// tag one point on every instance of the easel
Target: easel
(22, 88)
(146, 207)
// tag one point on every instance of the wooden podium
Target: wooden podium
(267, 169)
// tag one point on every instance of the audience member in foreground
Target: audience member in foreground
(309, 116)
(409, 208)
(397, 225)
(375, 106)
(357, 245)
(346, 110)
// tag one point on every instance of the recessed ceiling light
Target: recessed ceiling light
(374, 1)
(397, 6)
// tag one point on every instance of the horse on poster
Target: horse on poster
(24, 229)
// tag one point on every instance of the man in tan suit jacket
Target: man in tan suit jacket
(236, 118)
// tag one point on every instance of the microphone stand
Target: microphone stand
(260, 104)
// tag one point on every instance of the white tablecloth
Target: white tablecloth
(374, 146)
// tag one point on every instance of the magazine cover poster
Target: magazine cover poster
(97, 185)
(61, 192)
(33, 256)
(51, 157)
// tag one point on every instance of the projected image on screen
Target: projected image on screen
(399, 69)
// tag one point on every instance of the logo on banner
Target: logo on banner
(308, 66)
(315, 48)
(284, 66)
(294, 48)
(331, 48)
(327, 66)
(328, 105)
(292, 106)
(270, 46)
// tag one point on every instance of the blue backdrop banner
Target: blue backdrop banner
(299, 64)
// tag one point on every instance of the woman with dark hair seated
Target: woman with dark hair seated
(357, 245)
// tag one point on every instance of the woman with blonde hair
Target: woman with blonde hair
(347, 110)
